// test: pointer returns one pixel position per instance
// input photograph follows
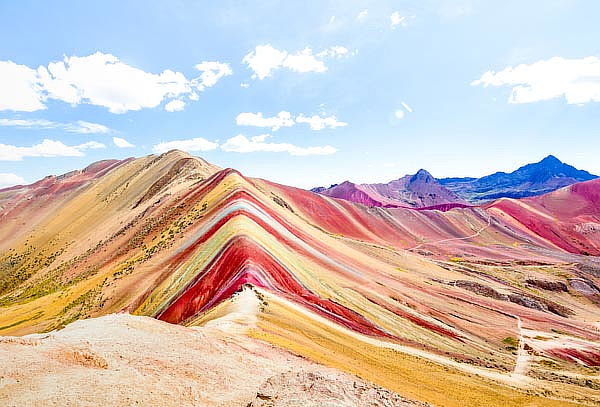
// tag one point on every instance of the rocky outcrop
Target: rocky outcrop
(313, 389)
(557, 286)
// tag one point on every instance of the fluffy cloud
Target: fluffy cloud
(397, 19)
(47, 148)
(88, 128)
(101, 80)
(319, 123)
(8, 180)
(19, 88)
(190, 145)
(212, 71)
(80, 126)
(90, 145)
(242, 144)
(121, 142)
(362, 15)
(265, 59)
(304, 61)
(176, 105)
(283, 119)
(577, 80)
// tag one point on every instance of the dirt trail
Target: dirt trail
(522, 361)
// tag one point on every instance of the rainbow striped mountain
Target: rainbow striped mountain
(491, 302)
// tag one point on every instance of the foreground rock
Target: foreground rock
(124, 360)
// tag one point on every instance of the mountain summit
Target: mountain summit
(422, 190)
(413, 191)
(538, 178)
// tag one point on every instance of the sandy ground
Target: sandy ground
(125, 360)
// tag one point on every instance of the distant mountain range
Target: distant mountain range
(413, 191)
(422, 190)
(532, 179)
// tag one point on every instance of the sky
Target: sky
(304, 93)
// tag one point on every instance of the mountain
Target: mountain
(568, 218)
(412, 191)
(494, 305)
(422, 190)
(103, 363)
(532, 179)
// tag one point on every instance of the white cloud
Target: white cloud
(101, 80)
(400, 114)
(265, 59)
(337, 51)
(8, 180)
(176, 105)
(19, 89)
(121, 142)
(47, 148)
(190, 145)
(88, 128)
(362, 15)
(261, 138)
(283, 119)
(241, 144)
(79, 126)
(90, 145)
(304, 61)
(397, 19)
(577, 80)
(319, 123)
(212, 71)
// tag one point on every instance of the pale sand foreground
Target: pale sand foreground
(125, 360)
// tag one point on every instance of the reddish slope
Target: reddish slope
(352, 192)
(568, 218)
(22, 207)
(242, 262)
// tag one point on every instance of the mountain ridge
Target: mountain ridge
(411, 191)
(423, 190)
(533, 179)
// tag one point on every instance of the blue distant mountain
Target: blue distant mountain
(531, 179)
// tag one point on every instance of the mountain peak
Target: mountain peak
(550, 160)
(422, 175)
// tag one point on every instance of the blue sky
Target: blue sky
(304, 93)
